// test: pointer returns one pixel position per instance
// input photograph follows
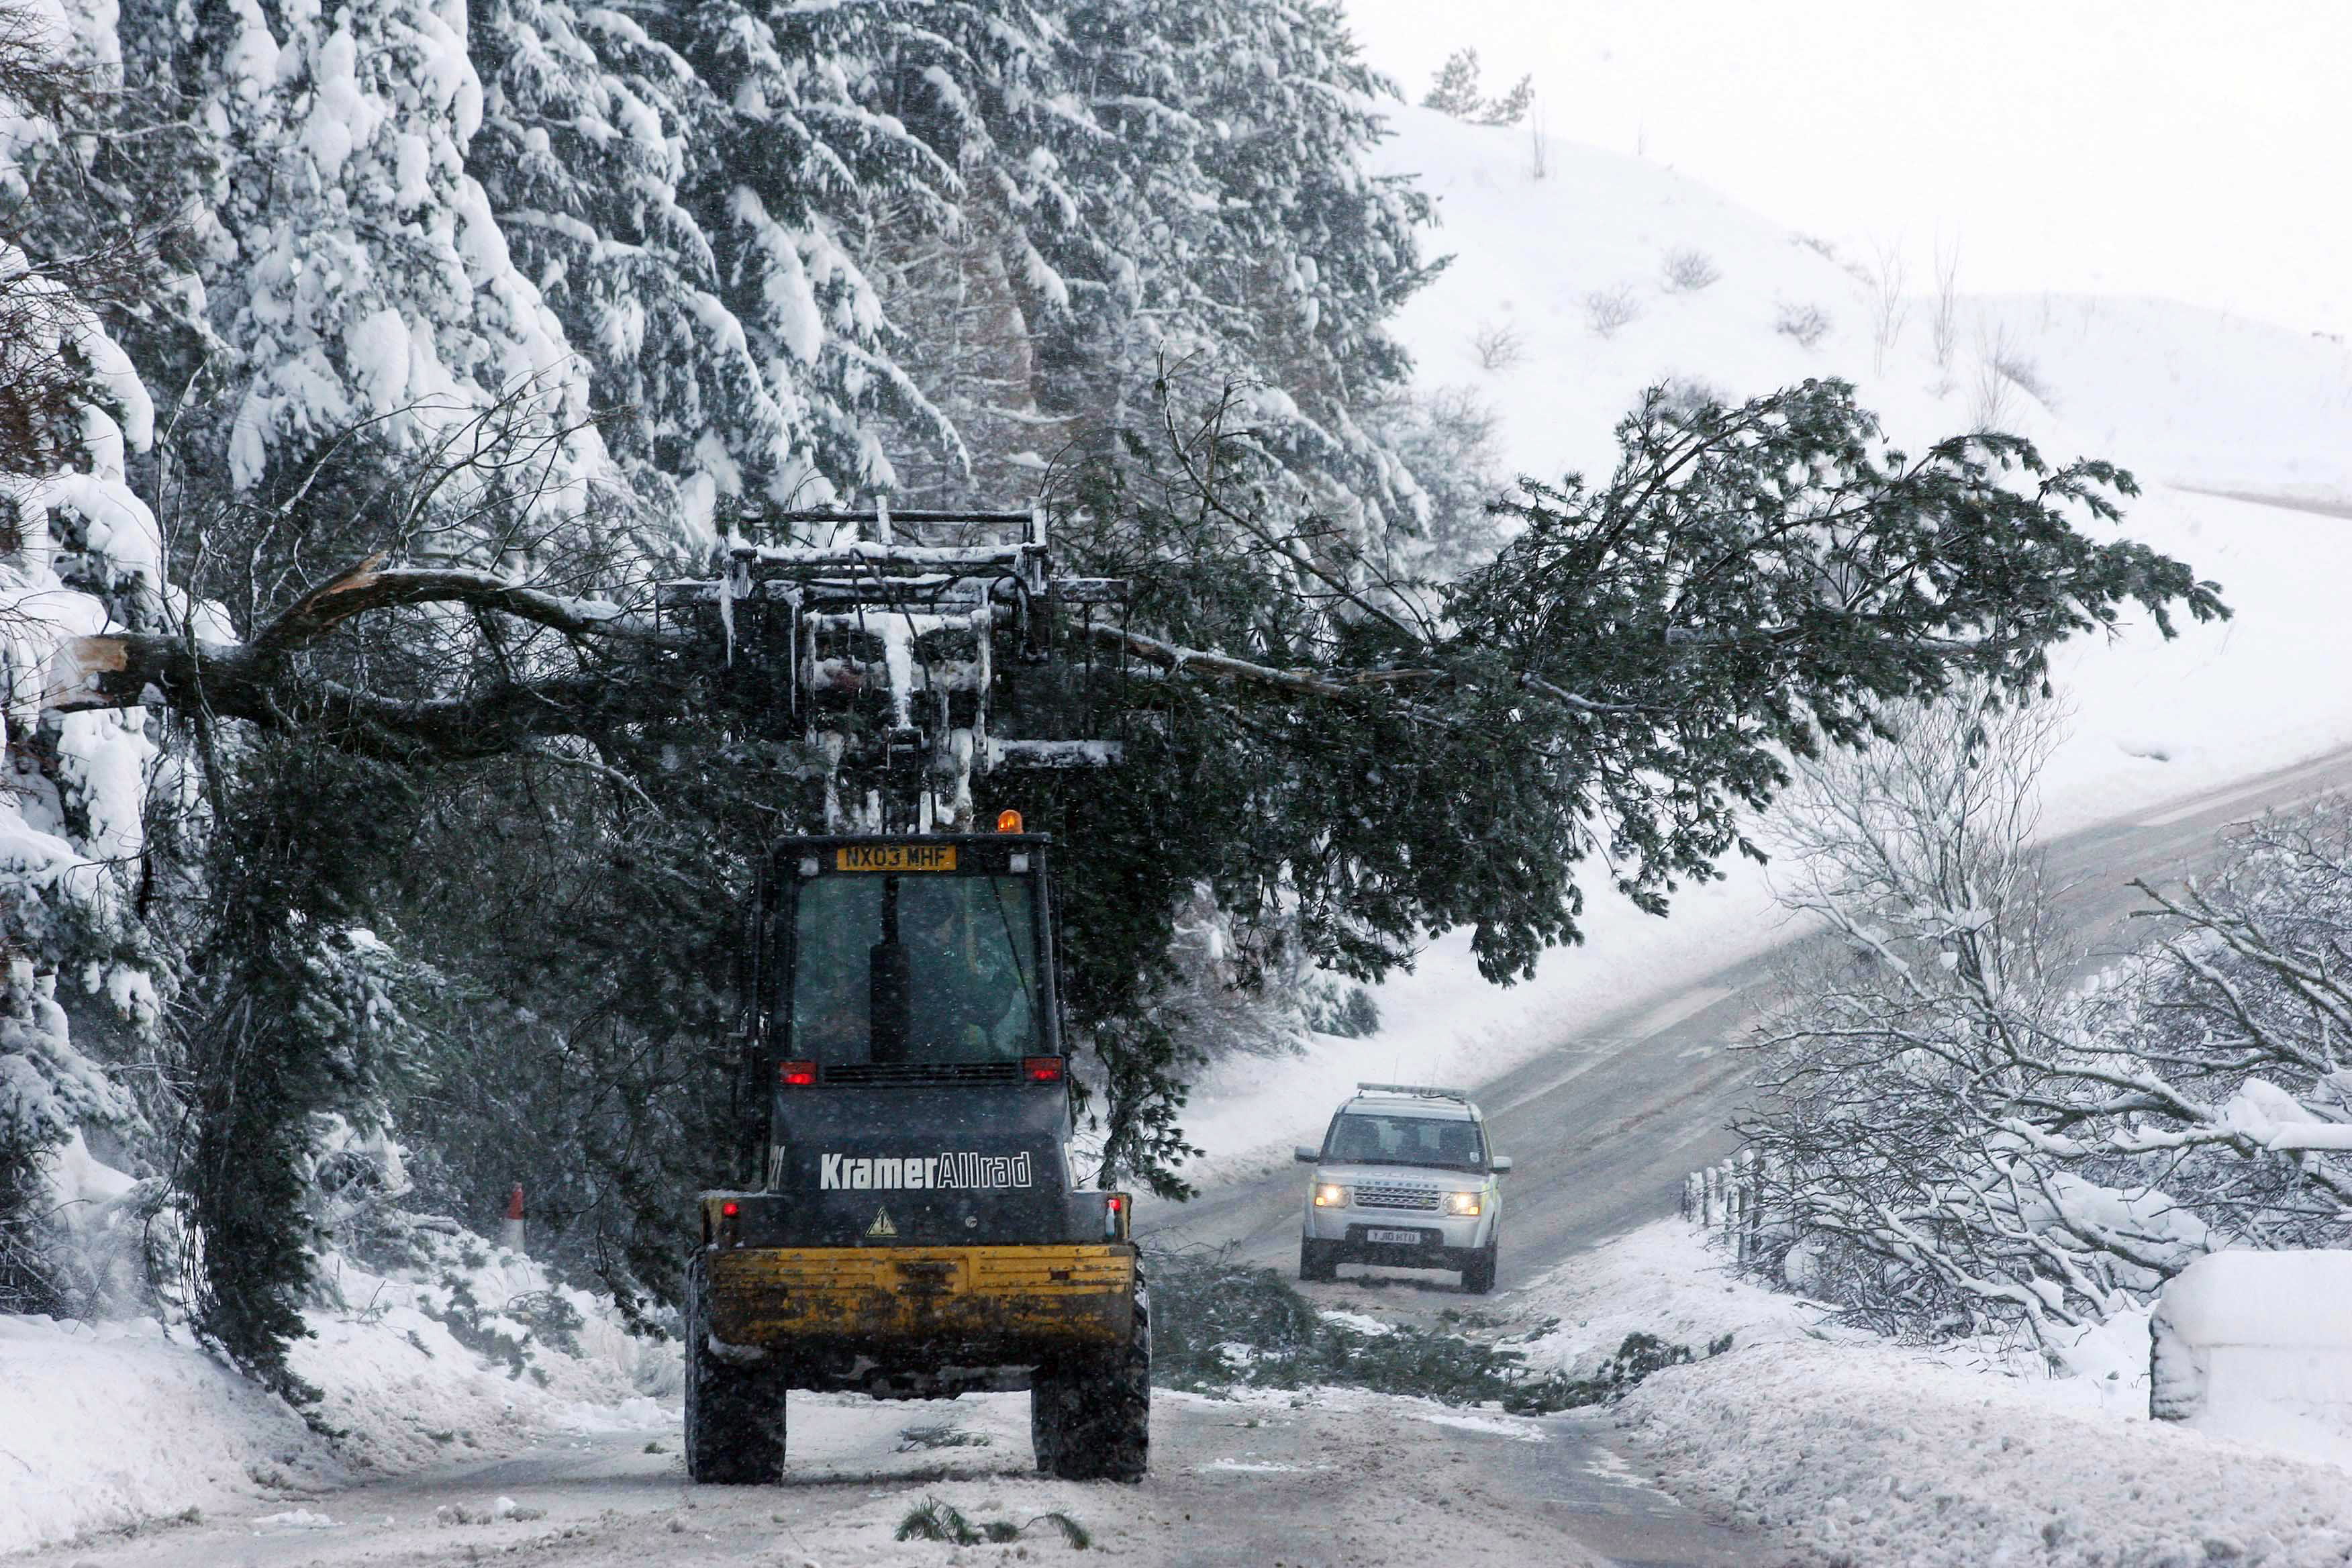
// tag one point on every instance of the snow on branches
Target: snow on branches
(1957, 1132)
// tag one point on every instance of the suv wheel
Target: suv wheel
(1091, 1419)
(1318, 1260)
(734, 1414)
(1478, 1273)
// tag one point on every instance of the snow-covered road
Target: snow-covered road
(1345, 1480)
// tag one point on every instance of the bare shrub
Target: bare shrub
(1498, 345)
(2003, 371)
(1809, 324)
(1686, 271)
(1538, 146)
(1607, 311)
(2025, 375)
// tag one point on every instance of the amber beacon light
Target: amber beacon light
(1008, 821)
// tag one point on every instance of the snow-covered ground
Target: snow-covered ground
(1869, 1452)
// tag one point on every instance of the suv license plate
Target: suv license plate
(1406, 1237)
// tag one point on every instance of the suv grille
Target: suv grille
(897, 1074)
(1389, 1195)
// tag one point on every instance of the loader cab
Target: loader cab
(910, 959)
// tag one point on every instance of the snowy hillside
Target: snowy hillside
(1609, 275)
(1548, 263)
(2186, 395)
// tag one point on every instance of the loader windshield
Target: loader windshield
(918, 968)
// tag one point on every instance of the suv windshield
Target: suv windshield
(920, 968)
(1367, 1138)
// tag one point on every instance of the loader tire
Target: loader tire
(1090, 1417)
(734, 1413)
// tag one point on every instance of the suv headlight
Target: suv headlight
(1330, 1196)
(1462, 1203)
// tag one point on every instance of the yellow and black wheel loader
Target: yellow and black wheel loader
(910, 1224)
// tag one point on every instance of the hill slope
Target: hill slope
(2184, 394)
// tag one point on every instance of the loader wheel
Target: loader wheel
(734, 1413)
(1090, 1418)
(1478, 1274)
(1318, 1260)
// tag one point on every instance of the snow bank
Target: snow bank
(119, 1424)
(1869, 1452)
(1881, 1456)
(456, 1356)
(2259, 1345)
(104, 1427)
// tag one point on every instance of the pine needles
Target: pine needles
(936, 1519)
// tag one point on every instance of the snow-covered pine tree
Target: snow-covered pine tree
(78, 553)
(1513, 106)
(676, 209)
(797, 153)
(1168, 184)
(1455, 89)
(351, 269)
(1167, 220)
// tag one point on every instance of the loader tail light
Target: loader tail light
(1115, 1217)
(1042, 1069)
(729, 1209)
(799, 1075)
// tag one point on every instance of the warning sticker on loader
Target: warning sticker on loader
(895, 858)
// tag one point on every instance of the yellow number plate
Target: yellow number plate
(895, 858)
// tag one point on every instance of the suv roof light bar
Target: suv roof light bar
(1422, 1090)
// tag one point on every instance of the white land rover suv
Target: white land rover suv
(1404, 1178)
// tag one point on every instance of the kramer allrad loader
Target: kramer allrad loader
(911, 1224)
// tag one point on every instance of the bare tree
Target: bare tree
(1944, 324)
(2004, 372)
(1888, 303)
(1907, 1042)
(1957, 1135)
